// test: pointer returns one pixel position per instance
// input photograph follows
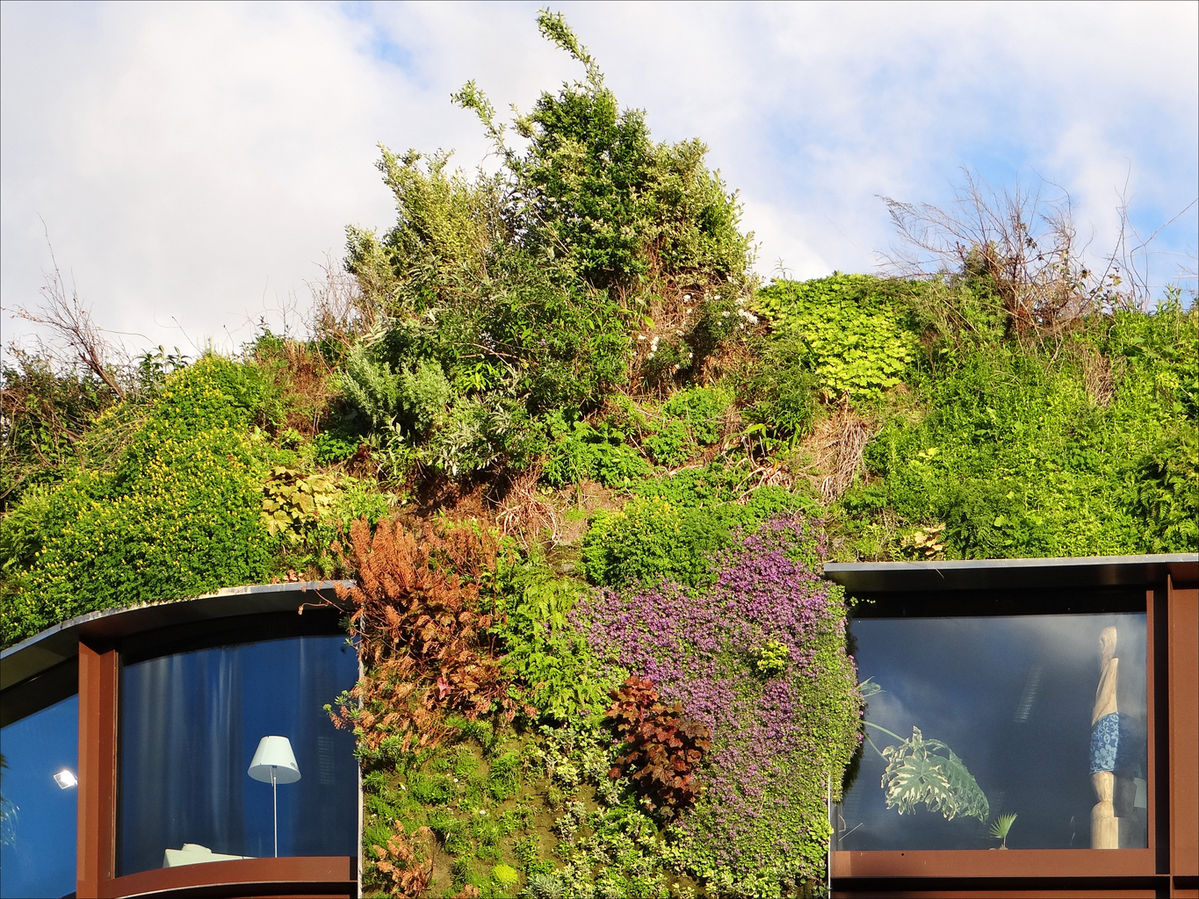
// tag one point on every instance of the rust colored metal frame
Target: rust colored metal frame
(1184, 739)
(95, 859)
(96, 844)
(290, 877)
(1169, 867)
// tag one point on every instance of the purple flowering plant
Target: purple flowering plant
(778, 741)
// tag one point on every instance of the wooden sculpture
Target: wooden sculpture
(1105, 742)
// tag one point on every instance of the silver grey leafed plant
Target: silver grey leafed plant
(924, 771)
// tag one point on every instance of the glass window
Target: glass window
(1000, 731)
(190, 725)
(38, 802)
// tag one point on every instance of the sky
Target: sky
(191, 167)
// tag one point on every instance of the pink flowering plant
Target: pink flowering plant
(781, 733)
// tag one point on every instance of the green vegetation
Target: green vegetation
(1064, 450)
(847, 331)
(586, 476)
(1001, 827)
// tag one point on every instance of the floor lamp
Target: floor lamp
(274, 763)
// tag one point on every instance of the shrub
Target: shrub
(663, 749)
(417, 603)
(413, 397)
(45, 413)
(1017, 457)
(1167, 491)
(331, 447)
(715, 483)
(775, 742)
(293, 505)
(670, 444)
(583, 450)
(543, 650)
(653, 537)
(781, 394)
(701, 410)
(846, 329)
(522, 287)
(175, 512)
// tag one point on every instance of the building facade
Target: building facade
(1032, 728)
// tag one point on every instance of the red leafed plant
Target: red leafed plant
(663, 749)
(416, 606)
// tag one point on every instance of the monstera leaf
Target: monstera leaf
(927, 771)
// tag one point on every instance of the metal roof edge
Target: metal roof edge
(59, 643)
(1024, 573)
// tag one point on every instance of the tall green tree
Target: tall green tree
(528, 288)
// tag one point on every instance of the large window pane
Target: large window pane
(37, 812)
(972, 719)
(190, 724)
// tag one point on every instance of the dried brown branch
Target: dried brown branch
(340, 312)
(836, 445)
(70, 321)
(1026, 250)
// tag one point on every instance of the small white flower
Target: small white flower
(687, 297)
(641, 337)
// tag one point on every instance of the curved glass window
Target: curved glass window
(38, 802)
(971, 720)
(190, 726)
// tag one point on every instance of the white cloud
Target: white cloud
(195, 163)
(191, 163)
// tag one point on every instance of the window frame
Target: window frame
(1061, 586)
(96, 644)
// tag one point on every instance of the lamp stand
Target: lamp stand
(275, 808)
(274, 763)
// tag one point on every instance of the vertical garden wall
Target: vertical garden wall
(585, 472)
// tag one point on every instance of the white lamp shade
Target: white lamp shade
(274, 755)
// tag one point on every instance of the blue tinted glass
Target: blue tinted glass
(190, 724)
(37, 816)
(969, 720)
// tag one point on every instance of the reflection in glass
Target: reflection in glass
(980, 733)
(37, 815)
(190, 724)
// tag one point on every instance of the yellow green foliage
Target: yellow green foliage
(173, 512)
(848, 330)
(292, 505)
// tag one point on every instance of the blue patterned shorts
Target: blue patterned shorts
(1105, 743)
